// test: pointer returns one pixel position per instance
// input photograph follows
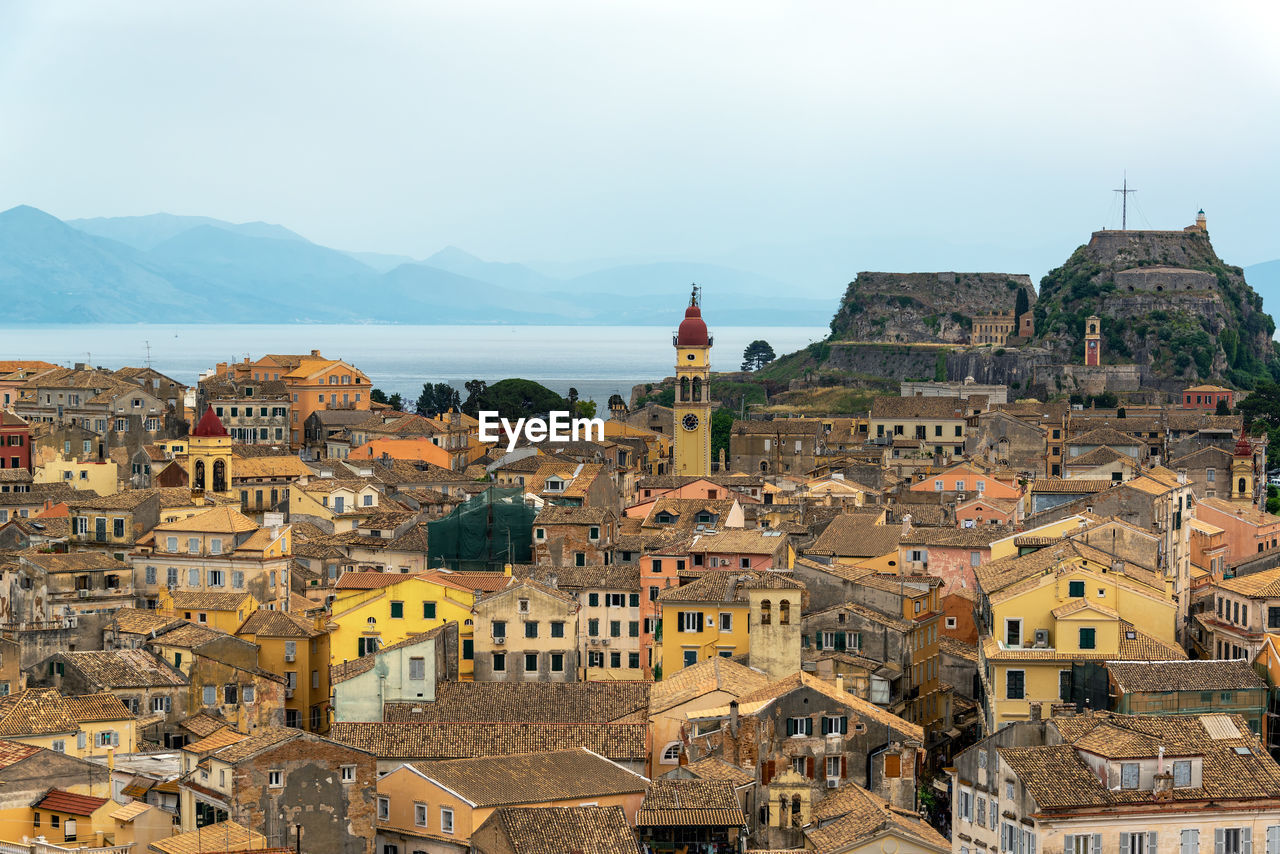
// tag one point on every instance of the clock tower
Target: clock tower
(692, 422)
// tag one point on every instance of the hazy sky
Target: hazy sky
(842, 135)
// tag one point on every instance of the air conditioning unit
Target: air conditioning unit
(833, 782)
(288, 693)
(83, 594)
(500, 640)
(595, 641)
(288, 656)
(605, 641)
(1042, 638)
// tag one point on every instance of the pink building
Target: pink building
(1248, 529)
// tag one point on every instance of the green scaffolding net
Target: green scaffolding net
(488, 530)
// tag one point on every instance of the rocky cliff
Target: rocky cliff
(1166, 301)
(923, 307)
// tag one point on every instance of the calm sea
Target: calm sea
(596, 360)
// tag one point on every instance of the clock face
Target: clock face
(689, 422)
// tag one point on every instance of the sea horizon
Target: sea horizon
(596, 360)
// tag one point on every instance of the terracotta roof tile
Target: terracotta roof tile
(690, 803)
(623, 742)
(532, 777)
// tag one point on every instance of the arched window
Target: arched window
(795, 810)
(684, 388)
(697, 388)
(219, 476)
(783, 812)
(1242, 487)
(199, 478)
(764, 465)
(671, 753)
(766, 613)
(784, 613)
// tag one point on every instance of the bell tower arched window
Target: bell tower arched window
(784, 613)
(766, 613)
(199, 475)
(697, 389)
(219, 476)
(684, 388)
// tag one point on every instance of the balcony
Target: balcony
(40, 845)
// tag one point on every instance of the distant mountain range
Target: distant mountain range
(197, 269)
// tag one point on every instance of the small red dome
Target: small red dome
(693, 330)
(1243, 447)
(210, 425)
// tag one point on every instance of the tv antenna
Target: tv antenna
(148, 343)
(1124, 202)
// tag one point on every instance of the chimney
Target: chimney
(733, 718)
(1036, 711)
(315, 354)
(906, 524)
(840, 682)
(1162, 786)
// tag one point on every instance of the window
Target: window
(499, 629)
(522, 606)
(1182, 774)
(275, 779)
(1075, 589)
(615, 660)
(832, 725)
(384, 809)
(446, 820)
(557, 662)
(1232, 840)
(539, 533)
(210, 695)
(397, 610)
(530, 662)
(1014, 685)
(1129, 775)
(689, 621)
(799, 727)
(633, 660)
(671, 753)
(499, 662)
(1013, 632)
(1088, 639)
(216, 578)
(428, 610)
(531, 629)
(615, 628)
(420, 815)
(417, 669)
(1190, 842)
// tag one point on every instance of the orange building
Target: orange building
(423, 450)
(314, 383)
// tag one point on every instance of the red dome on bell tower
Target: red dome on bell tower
(209, 425)
(693, 329)
(1243, 447)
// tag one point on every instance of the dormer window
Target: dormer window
(554, 484)
(705, 518)
(664, 518)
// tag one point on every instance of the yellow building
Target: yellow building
(692, 420)
(101, 476)
(217, 551)
(87, 727)
(291, 645)
(729, 613)
(1060, 605)
(340, 502)
(222, 611)
(372, 610)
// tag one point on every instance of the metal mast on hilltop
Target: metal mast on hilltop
(1124, 203)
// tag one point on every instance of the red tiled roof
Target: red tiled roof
(13, 751)
(368, 580)
(59, 801)
(209, 425)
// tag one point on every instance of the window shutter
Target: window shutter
(844, 725)
(1124, 843)
(844, 767)
(115, 739)
(839, 641)
(826, 725)
(1246, 840)
(1097, 843)
(1151, 842)
(766, 772)
(1068, 844)
(791, 726)
(168, 704)
(81, 740)
(808, 767)
(1219, 841)
(1273, 839)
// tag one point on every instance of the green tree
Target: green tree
(585, 408)
(721, 429)
(1021, 304)
(475, 390)
(437, 399)
(513, 398)
(377, 395)
(757, 354)
(396, 402)
(1222, 408)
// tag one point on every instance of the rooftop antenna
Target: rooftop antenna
(148, 343)
(1124, 203)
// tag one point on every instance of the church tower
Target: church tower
(692, 427)
(1242, 471)
(1093, 340)
(209, 456)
